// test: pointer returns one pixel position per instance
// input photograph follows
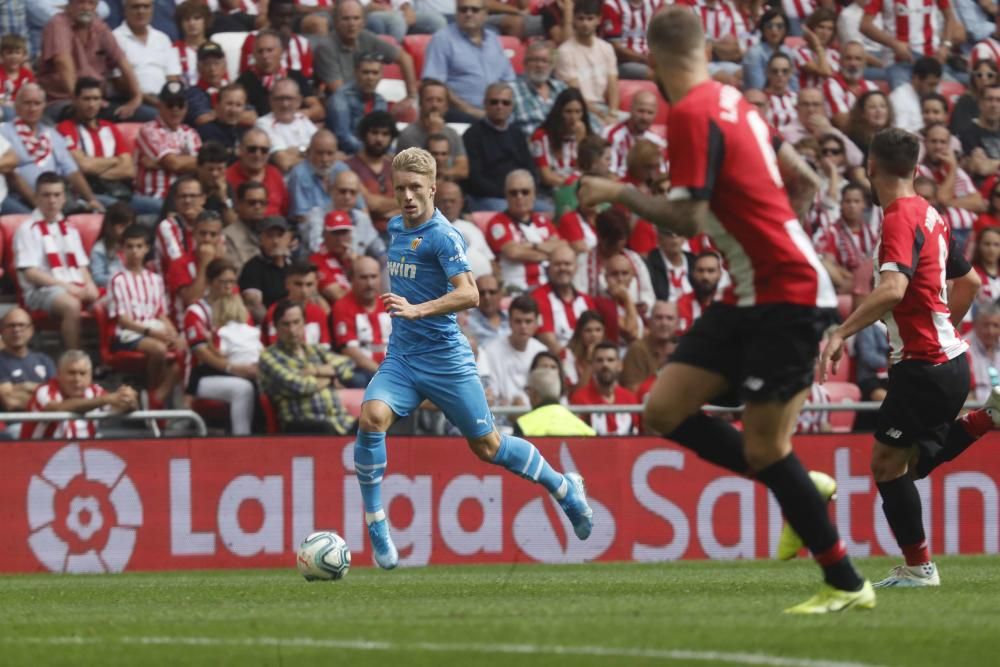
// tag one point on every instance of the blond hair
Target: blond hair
(228, 308)
(416, 161)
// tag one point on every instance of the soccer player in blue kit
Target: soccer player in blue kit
(429, 358)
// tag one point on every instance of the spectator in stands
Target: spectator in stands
(969, 105)
(301, 285)
(536, 90)
(22, 369)
(488, 321)
(548, 417)
(705, 280)
(624, 24)
(300, 377)
(870, 114)
(239, 341)
(203, 93)
(905, 98)
(495, 147)
(957, 194)
(773, 29)
(981, 141)
(51, 263)
(173, 233)
(396, 17)
(552, 362)
(361, 325)
(73, 390)
(849, 30)
(848, 243)
(934, 43)
(76, 43)
(187, 276)
(781, 96)
(467, 58)
(603, 388)
(335, 55)
(934, 111)
(347, 197)
(523, 240)
(373, 165)
(433, 109)
(554, 143)
(310, 184)
(267, 70)
(242, 241)
(980, 28)
(211, 173)
(817, 60)
(812, 122)
(235, 16)
(148, 50)
(137, 303)
(670, 267)
(617, 303)
(193, 19)
(871, 361)
(508, 358)
(587, 62)
(986, 262)
(576, 227)
(645, 357)
(287, 128)
(622, 136)
(230, 119)
(14, 71)
(612, 236)
(352, 101)
(991, 218)
(559, 302)
(984, 351)
(728, 34)
(842, 88)
(211, 375)
(262, 278)
(590, 331)
(106, 256)
(646, 171)
(335, 258)
(296, 51)
(450, 202)
(38, 149)
(252, 165)
(166, 148)
(101, 153)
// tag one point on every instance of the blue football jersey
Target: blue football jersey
(422, 261)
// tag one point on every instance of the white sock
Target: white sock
(372, 517)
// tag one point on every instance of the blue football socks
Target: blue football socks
(523, 459)
(369, 465)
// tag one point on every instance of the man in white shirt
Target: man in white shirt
(905, 99)
(449, 200)
(149, 51)
(508, 359)
(288, 128)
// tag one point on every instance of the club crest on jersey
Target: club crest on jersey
(415, 243)
(401, 269)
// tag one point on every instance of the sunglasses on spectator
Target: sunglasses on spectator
(524, 192)
(262, 150)
(469, 10)
(832, 151)
(503, 103)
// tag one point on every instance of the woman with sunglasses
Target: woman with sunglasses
(967, 107)
(772, 29)
(554, 143)
(817, 59)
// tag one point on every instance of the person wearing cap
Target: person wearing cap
(242, 238)
(262, 280)
(348, 105)
(287, 128)
(147, 49)
(252, 165)
(335, 260)
(166, 148)
(267, 70)
(203, 95)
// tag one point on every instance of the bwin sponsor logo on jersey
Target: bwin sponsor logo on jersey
(403, 270)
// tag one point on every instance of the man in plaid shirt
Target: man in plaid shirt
(300, 377)
(536, 90)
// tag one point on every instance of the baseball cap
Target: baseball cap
(172, 92)
(273, 222)
(336, 221)
(210, 50)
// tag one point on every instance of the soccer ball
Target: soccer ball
(323, 556)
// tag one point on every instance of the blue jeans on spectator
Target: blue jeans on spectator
(13, 205)
(387, 23)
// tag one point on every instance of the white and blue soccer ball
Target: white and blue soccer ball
(323, 556)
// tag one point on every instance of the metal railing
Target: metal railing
(145, 415)
(844, 406)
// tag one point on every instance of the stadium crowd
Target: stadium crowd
(208, 184)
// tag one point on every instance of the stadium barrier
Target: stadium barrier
(172, 504)
(150, 416)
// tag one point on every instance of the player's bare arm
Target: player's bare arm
(889, 292)
(680, 216)
(801, 180)
(464, 296)
(961, 294)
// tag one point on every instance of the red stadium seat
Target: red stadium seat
(271, 424)
(8, 227)
(841, 392)
(392, 70)
(352, 399)
(844, 373)
(513, 48)
(482, 219)
(627, 90)
(215, 412)
(89, 227)
(416, 45)
(129, 132)
(130, 362)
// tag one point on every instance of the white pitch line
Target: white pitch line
(435, 647)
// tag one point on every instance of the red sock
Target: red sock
(833, 555)
(917, 554)
(977, 423)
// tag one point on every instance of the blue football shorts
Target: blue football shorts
(452, 384)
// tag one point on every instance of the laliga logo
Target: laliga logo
(537, 537)
(83, 512)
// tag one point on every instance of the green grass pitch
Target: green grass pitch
(691, 613)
